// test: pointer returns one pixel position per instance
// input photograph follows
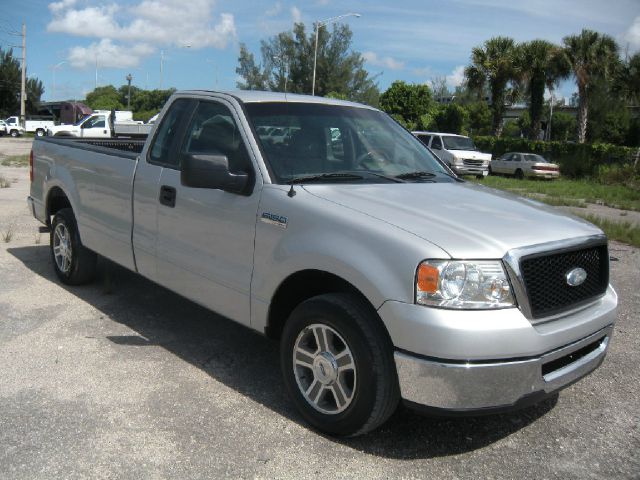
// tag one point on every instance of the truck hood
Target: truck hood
(64, 128)
(471, 154)
(465, 220)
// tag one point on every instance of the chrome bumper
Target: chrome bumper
(470, 386)
(470, 170)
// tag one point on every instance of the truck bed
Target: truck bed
(97, 176)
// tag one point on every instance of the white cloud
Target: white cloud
(296, 14)
(455, 78)
(275, 10)
(108, 55)
(149, 22)
(386, 62)
(59, 6)
(632, 36)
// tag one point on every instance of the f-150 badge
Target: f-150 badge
(274, 219)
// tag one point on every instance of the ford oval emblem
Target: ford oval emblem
(576, 277)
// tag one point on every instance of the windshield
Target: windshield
(328, 141)
(458, 143)
(79, 122)
(532, 157)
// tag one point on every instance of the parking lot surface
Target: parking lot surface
(124, 379)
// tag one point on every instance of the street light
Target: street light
(315, 51)
(129, 78)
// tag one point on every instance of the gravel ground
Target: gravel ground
(123, 379)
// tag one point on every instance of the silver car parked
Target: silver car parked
(523, 165)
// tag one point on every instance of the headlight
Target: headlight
(463, 284)
(455, 159)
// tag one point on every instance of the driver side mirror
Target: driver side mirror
(211, 171)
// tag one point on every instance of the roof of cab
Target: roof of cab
(255, 96)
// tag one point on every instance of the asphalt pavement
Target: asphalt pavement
(123, 379)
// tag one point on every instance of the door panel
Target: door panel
(205, 237)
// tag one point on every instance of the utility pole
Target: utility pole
(129, 78)
(23, 89)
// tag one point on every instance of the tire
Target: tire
(14, 133)
(72, 262)
(519, 174)
(349, 385)
(40, 132)
(480, 177)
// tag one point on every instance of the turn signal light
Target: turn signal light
(428, 278)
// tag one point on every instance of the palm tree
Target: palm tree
(494, 64)
(590, 55)
(542, 65)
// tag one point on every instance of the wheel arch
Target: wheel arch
(303, 285)
(57, 199)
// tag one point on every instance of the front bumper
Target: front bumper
(470, 386)
(473, 360)
(470, 170)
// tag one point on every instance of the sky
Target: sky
(72, 45)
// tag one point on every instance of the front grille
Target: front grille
(472, 163)
(545, 279)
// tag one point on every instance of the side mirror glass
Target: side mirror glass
(211, 171)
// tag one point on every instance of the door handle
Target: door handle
(168, 196)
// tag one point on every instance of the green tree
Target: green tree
(104, 98)
(563, 126)
(628, 80)
(11, 83)
(542, 65)
(287, 64)
(410, 104)
(451, 118)
(494, 65)
(590, 55)
(478, 118)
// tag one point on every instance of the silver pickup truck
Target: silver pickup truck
(383, 275)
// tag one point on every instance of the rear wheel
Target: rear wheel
(74, 264)
(40, 132)
(519, 174)
(338, 367)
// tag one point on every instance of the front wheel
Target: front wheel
(74, 264)
(338, 367)
(14, 133)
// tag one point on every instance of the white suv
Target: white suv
(458, 152)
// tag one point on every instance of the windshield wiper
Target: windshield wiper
(325, 176)
(415, 175)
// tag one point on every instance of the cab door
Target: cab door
(95, 127)
(205, 237)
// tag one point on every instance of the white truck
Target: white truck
(99, 125)
(458, 152)
(39, 127)
(382, 275)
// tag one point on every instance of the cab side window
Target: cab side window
(436, 143)
(163, 147)
(213, 131)
(424, 139)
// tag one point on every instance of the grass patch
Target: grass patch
(7, 234)
(565, 190)
(16, 161)
(4, 183)
(621, 231)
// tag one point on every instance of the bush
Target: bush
(626, 174)
(575, 159)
